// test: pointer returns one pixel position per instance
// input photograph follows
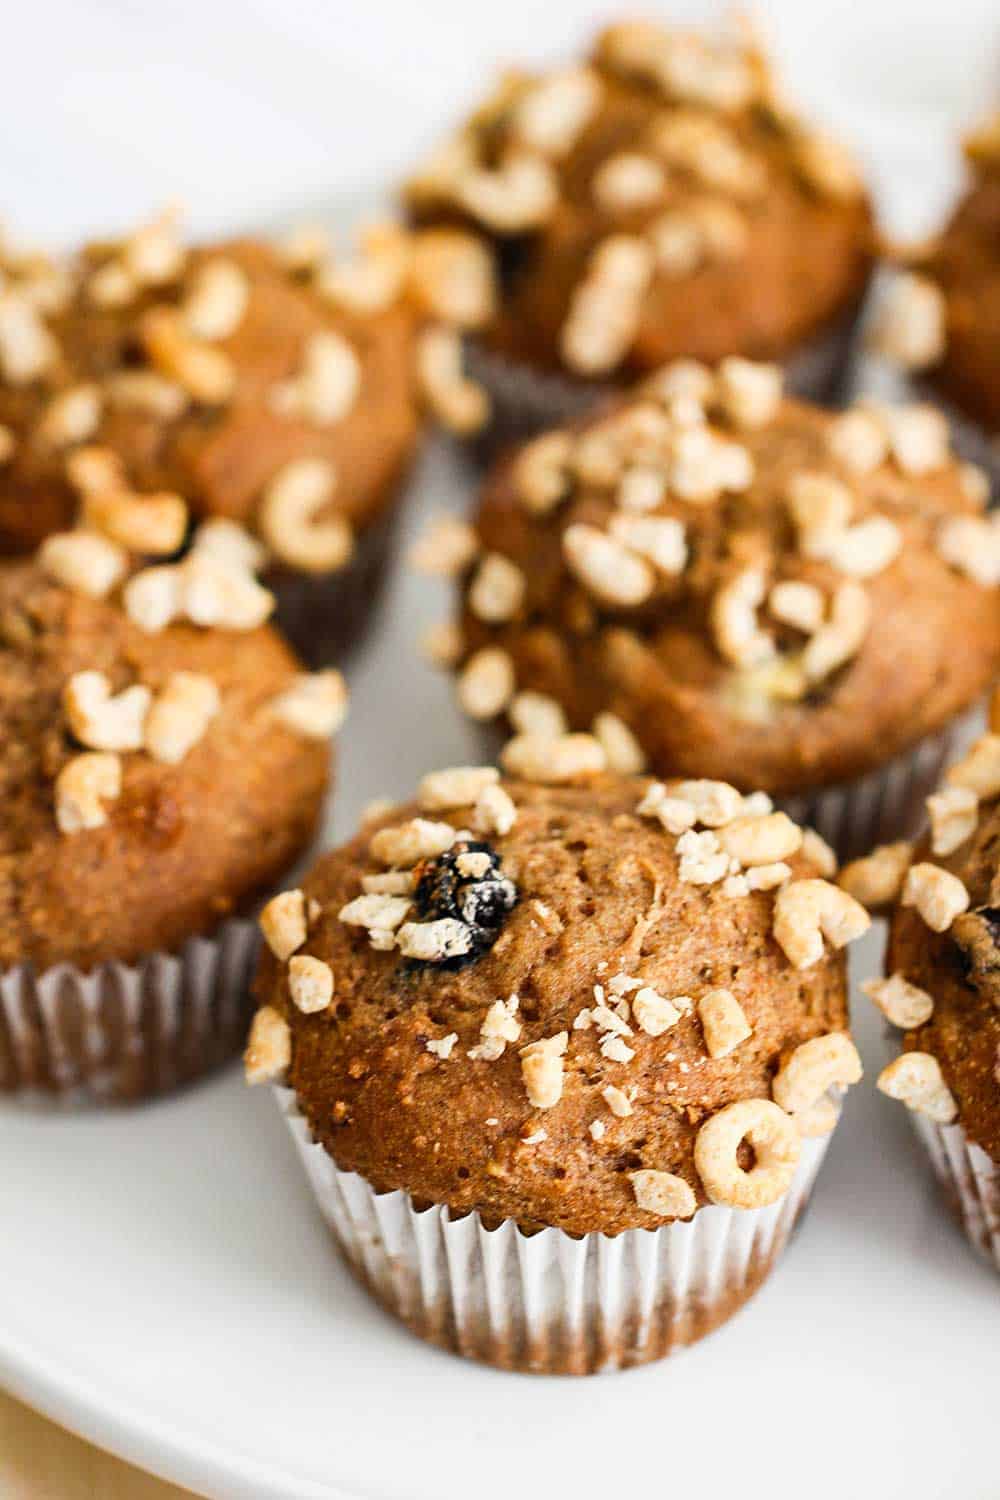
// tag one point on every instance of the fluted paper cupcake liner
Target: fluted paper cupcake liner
(526, 400)
(888, 803)
(549, 1302)
(971, 1182)
(325, 615)
(123, 1032)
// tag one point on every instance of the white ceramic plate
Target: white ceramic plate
(167, 1289)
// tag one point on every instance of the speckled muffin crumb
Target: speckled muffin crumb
(569, 1000)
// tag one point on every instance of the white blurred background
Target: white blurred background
(256, 110)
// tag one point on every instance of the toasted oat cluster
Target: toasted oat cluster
(146, 383)
(940, 313)
(943, 964)
(514, 946)
(665, 161)
(709, 563)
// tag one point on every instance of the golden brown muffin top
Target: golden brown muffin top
(943, 315)
(566, 998)
(759, 590)
(943, 961)
(656, 200)
(270, 386)
(151, 781)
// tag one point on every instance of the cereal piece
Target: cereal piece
(269, 1049)
(206, 373)
(775, 1142)
(179, 716)
(230, 543)
(904, 1004)
(457, 402)
(876, 880)
(200, 589)
(911, 326)
(813, 1068)
(654, 1013)
(314, 706)
(610, 571)
(325, 390)
(916, 1080)
(702, 860)
(738, 636)
(497, 590)
(842, 637)
(857, 440)
(715, 802)
(283, 923)
(954, 815)
(800, 605)
(642, 489)
(486, 683)
(452, 277)
(82, 787)
(458, 786)
(375, 911)
(310, 983)
(663, 1194)
(434, 942)
(216, 300)
(542, 1070)
(627, 181)
(820, 506)
(979, 769)
(153, 254)
(495, 811)
(616, 1050)
(972, 545)
(807, 911)
(518, 195)
(938, 896)
(819, 854)
(103, 722)
(617, 1101)
(622, 750)
(152, 524)
(606, 305)
(749, 393)
(538, 714)
(723, 1022)
(660, 539)
(918, 436)
(27, 348)
(296, 519)
(83, 562)
(541, 473)
(550, 117)
(763, 840)
(408, 843)
(391, 882)
(442, 1046)
(863, 550)
(552, 762)
(71, 417)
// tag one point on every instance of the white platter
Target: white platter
(167, 1289)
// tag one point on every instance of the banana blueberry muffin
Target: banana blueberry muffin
(270, 388)
(157, 776)
(943, 984)
(723, 582)
(561, 998)
(656, 200)
(942, 316)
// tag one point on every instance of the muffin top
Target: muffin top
(151, 781)
(943, 960)
(770, 595)
(267, 385)
(656, 200)
(565, 998)
(944, 314)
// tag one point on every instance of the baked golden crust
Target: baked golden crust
(606, 916)
(218, 448)
(757, 231)
(692, 636)
(184, 844)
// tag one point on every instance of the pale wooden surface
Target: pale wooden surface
(39, 1461)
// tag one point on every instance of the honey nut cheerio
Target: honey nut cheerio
(528, 993)
(686, 186)
(734, 594)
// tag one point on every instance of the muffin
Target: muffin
(157, 778)
(771, 595)
(942, 985)
(560, 1052)
(657, 200)
(269, 389)
(940, 319)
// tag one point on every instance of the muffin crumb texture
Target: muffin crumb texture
(597, 1012)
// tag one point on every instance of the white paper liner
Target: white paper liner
(526, 400)
(122, 1032)
(888, 803)
(970, 1179)
(549, 1302)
